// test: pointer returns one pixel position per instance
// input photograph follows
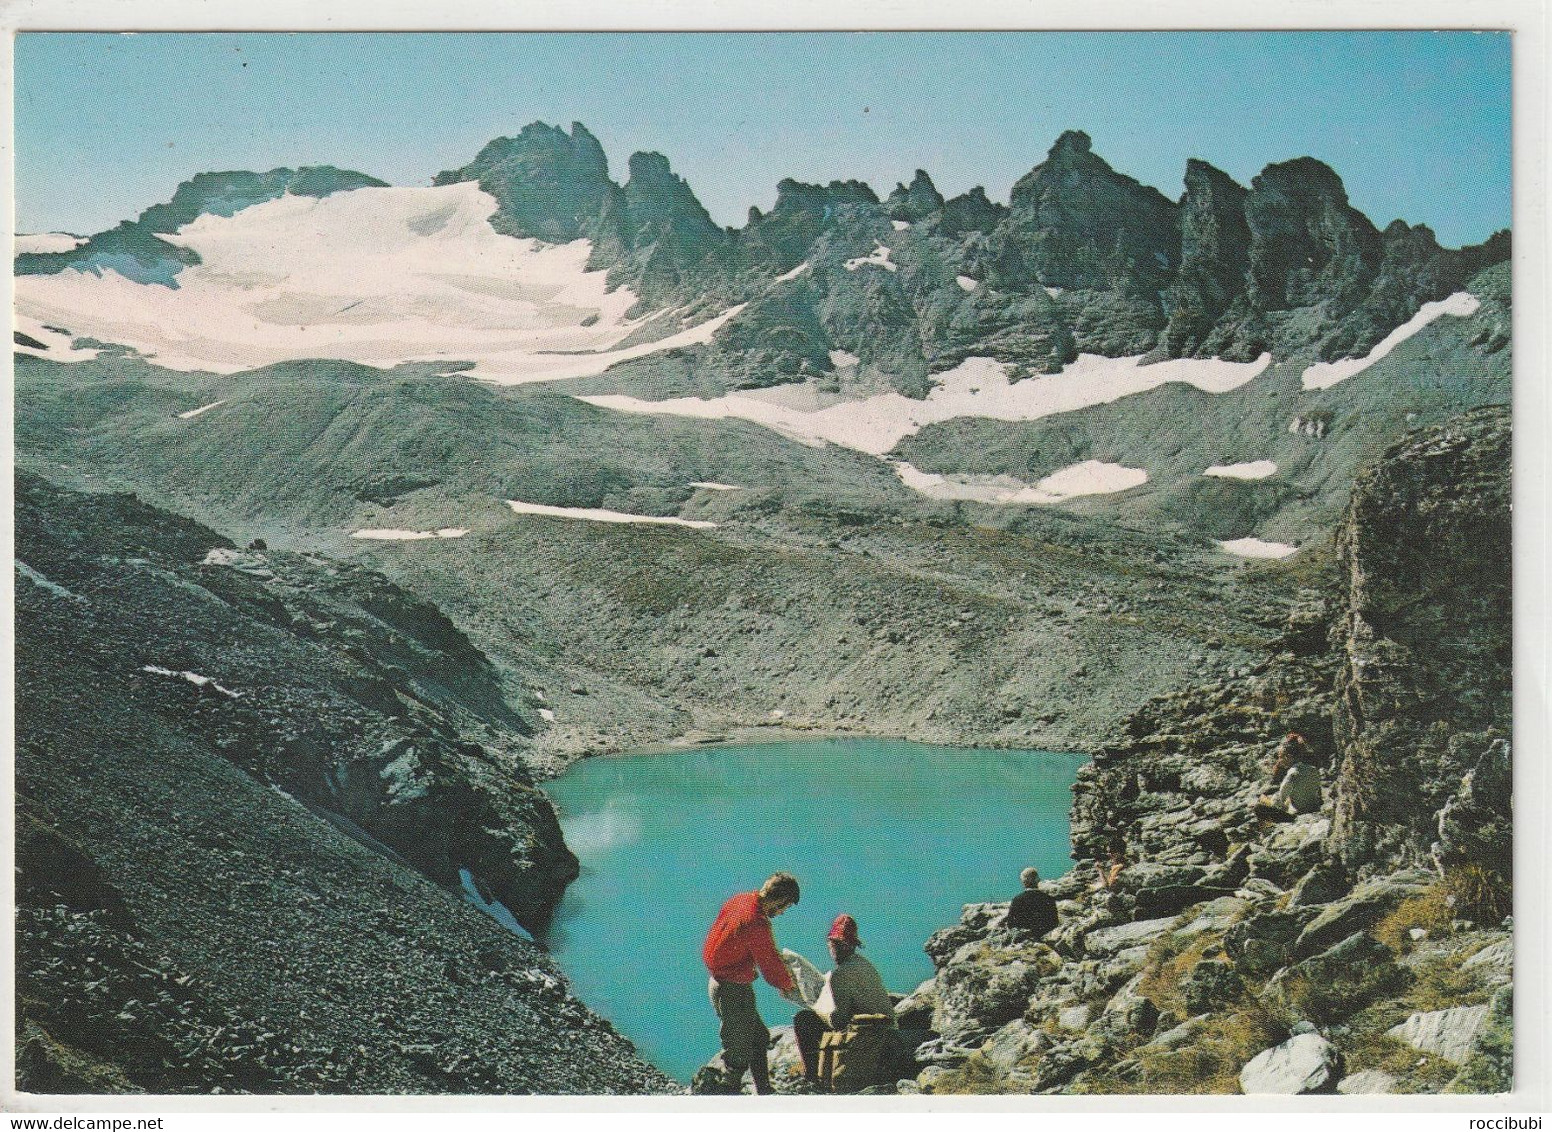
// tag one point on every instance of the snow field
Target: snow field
(1254, 470)
(56, 345)
(978, 387)
(393, 535)
(192, 413)
(1256, 548)
(878, 258)
(1092, 477)
(378, 276)
(1326, 374)
(603, 515)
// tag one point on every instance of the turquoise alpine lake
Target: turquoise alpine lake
(898, 834)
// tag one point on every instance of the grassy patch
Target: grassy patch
(1443, 983)
(1478, 894)
(976, 1077)
(1170, 960)
(1429, 910)
(1469, 892)
(1369, 1047)
(1211, 1062)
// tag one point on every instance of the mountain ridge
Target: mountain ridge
(1082, 259)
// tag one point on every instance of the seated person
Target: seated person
(1110, 869)
(852, 988)
(1297, 782)
(1031, 910)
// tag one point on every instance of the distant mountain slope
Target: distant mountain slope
(305, 455)
(334, 447)
(134, 249)
(1314, 439)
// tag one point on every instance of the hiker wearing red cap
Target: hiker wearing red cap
(739, 941)
(853, 988)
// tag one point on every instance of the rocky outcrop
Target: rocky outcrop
(1290, 267)
(1450, 1034)
(317, 678)
(916, 202)
(1214, 258)
(1424, 693)
(1238, 953)
(1082, 259)
(656, 234)
(1306, 1063)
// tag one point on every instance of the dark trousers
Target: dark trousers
(807, 1028)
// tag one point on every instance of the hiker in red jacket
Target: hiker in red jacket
(739, 941)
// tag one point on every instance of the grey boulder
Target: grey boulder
(1303, 1064)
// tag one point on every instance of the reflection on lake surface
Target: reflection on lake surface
(897, 834)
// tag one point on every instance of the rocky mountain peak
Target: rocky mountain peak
(1214, 242)
(1203, 179)
(1071, 142)
(971, 212)
(1302, 178)
(1307, 243)
(655, 228)
(1076, 222)
(657, 196)
(916, 202)
(549, 184)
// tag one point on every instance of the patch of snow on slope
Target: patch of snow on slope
(473, 892)
(1092, 477)
(794, 273)
(377, 276)
(523, 369)
(192, 413)
(1254, 470)
(840, 359)
(977, 387)
(900, 225)
(966, 283)
(710, 486)
(193, 678)
(47, 243)
(57, 346)
(52, 587)
(1326, 374)
(393, 535)
(1256, 548)
(602, 515)
(878, 258)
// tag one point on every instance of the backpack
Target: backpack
(849, 1059)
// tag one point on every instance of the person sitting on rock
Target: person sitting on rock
(1110, 868)
(1031, 911)
(852, 988)
(1297, 781)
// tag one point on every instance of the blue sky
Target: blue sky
(1416, 123)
